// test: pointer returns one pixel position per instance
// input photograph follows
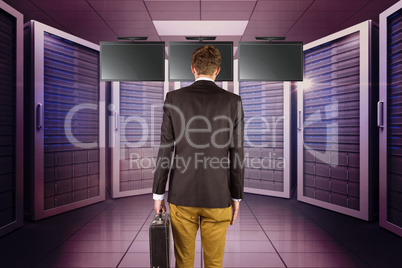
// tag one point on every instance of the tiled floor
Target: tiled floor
(270, 232)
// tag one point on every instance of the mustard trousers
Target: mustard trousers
(213, 222)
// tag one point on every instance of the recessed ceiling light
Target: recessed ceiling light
(200, 27)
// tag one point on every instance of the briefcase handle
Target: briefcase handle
(160, 214)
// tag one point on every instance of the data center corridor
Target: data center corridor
(270, 232)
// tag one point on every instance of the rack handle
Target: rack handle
(380, 114)
(116, 121)
(39, 116)
(299, 123)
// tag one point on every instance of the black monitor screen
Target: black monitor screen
(180, 60)
(270, 61)
(129, 61)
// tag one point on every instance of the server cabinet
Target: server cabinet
(337, 139)
(135, 119)
(65, 116)
(390, 120)
(267, 139)
(11, 119)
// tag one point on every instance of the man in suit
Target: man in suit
(202, 147)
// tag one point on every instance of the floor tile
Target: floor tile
(104, 235)
(249, 246)
(94, 246)
(245, 235)
(20, 260)
(298, 235)
(320, 260)
(135, 260)
(250, 260)
(237, 226)
(290, 226)
(143, 260)
(111, 226)
(143, 246)
(81, 260)
(307, 246)
(283, 219)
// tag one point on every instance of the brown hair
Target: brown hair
(206, 59)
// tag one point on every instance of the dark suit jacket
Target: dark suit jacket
(202, 132)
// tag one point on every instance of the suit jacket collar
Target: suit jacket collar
(204, 83)
(204, 78)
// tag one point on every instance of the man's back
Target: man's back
(204, 124)
(204, 120)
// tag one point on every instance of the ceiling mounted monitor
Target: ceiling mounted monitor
(180, 60)
(132, 61)
(270, 61)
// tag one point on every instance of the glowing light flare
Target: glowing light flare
(306, 84)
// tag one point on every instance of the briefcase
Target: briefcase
(159, 241)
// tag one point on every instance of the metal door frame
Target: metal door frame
(19, 134)
(383, 127)
(364, 29)
(38, 29)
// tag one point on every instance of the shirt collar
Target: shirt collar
(204, 78)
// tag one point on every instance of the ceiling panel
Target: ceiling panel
(185, 15)
(148, 1)
(304, 20)
(379, 5)
(22, 5)
(338, 5)
(74, 15)
(265, 32)
(225, 15)
(270, 24)
(167, 6)
(369, 12)
(65, 5)
(306, 36)
(96, 38)
(123, 15)
(206, 1)
(117, 5)
(130, 24)
(135, 32)
(85, 24)
(327, 15)
(314, 24)
(99, 32)
(277, 16)
(222, 5)
(283, 5)
(44, 18)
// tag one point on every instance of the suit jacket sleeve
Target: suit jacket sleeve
(165, 150)
(236, 154)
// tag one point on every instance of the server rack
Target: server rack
(267, 138)
(336, 138)
(64, 116)
(135, 118)
(390, 119)
(11, 119)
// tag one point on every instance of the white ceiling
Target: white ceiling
(104, 20)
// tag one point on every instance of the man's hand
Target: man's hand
(159, 204)
(235, 210)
